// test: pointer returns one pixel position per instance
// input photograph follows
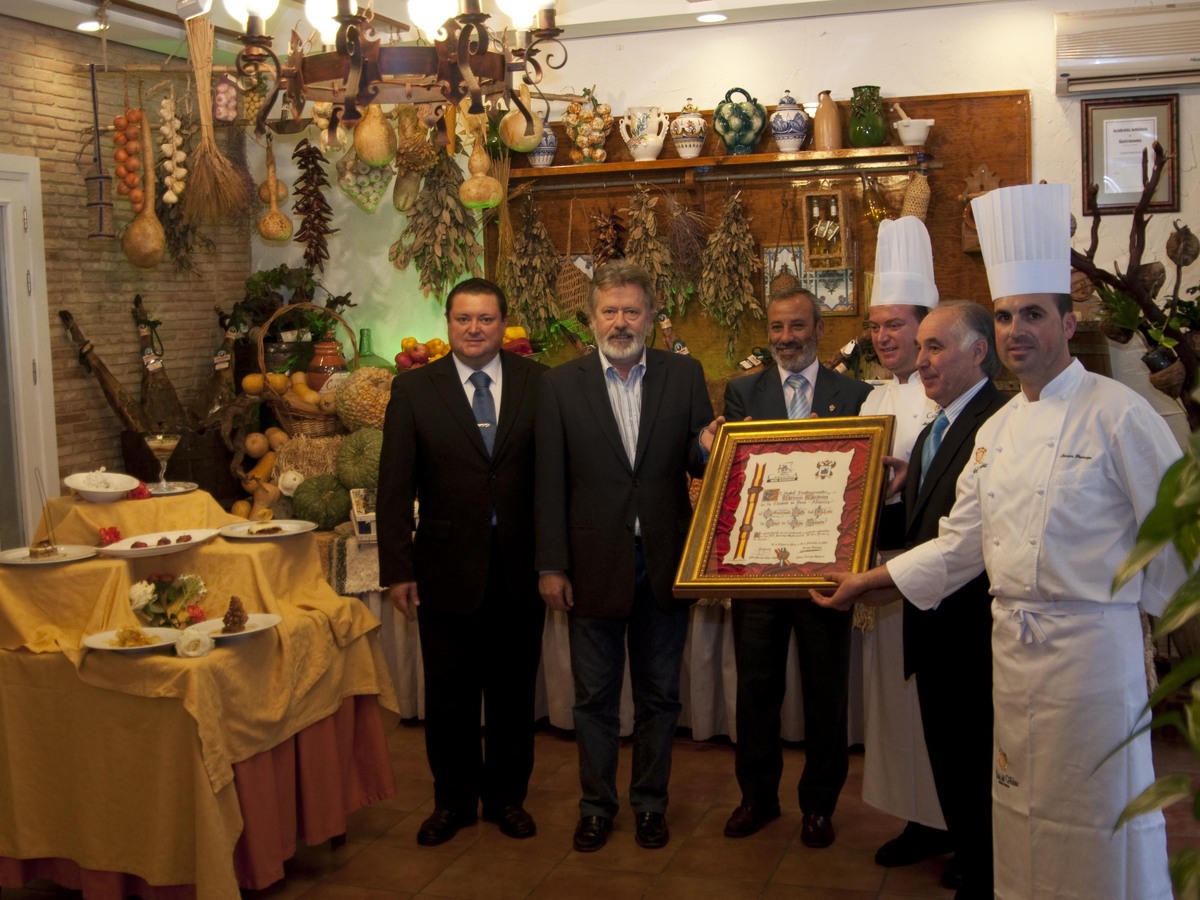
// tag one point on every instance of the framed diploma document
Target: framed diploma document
(784, 504)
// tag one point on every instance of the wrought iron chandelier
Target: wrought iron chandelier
(462, 59)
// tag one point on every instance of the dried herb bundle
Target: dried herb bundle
(608, 242)
(440, 234)
(731, 266)
(216, 189)
(311, 205)
(646, 247)
(533, 274)
(687, 236)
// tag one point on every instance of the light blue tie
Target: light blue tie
(484, 408)
(798, 404)
(929, 451)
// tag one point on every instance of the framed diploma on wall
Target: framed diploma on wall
(784, 504)
(1118, 139)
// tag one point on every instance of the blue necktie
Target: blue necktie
(484, 408)
(929, 451)
(798, 405)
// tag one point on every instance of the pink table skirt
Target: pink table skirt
(301, 789)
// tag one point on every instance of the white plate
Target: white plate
(19, 556)
(163, 637)
(173, 487)
(289, 526)
(125, 550)
(257, 622)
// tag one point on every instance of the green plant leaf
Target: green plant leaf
(1184, 866)
(1184, 604)
(1165, 791)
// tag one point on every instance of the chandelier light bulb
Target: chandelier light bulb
(430, 15)
(520, 12)
(242, 10)
(320, 15)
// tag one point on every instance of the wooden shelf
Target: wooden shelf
(867, 160)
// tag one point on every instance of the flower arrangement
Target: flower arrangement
(169, 601)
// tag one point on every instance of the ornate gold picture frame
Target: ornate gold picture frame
(784, 504)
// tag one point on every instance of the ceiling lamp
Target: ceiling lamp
(462, 59)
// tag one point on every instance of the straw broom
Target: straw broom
(215, 189)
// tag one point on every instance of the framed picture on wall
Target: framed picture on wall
(833, 288)
(1118, 133)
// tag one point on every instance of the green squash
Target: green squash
(357, 463)
(323, 500)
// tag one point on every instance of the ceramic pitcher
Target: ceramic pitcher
(644, 129)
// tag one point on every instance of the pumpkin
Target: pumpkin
(362, 397)
(289, 481)
(358, 459)
(323, 500)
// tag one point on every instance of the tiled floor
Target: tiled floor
(381, 860)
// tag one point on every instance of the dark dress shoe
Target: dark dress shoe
(915, 843)
(651, 832)
(514, 822)
(441, 826)
(592, 833)
(816, 831)
(747, 820)
(952, 875)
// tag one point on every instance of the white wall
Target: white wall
(988, 47)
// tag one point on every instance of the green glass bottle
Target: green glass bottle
(867, 126)
(366, 354)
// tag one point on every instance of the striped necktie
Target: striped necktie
(484, 408)
(798, 406)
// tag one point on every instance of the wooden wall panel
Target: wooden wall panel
(971, 130)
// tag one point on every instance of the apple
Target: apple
(404, 360)
(419, 353)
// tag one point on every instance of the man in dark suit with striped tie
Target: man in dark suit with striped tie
(458, 437)
(796, 387)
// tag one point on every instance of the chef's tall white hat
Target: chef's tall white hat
(1025, 235)
(903, 265)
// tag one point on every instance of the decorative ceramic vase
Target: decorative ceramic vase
(588, 125)
(867, 127)
(827, 124)
(644, 129)
(688, 131)
(790, 124)
(739, 122)
(543, 154)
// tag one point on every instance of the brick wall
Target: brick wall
(48, 106)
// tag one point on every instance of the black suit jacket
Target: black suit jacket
(929, 633)
(760, 395)
(588, 495)
(432, 452)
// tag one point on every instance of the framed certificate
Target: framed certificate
(1118, 139)
(784, 504)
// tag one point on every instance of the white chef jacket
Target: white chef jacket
(897, 776)
(1052, 501)
(1051, 504)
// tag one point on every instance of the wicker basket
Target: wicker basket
(297, 421)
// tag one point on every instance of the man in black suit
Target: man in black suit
(949, 649)
(617, 433)
(458, 437)
(796, 387)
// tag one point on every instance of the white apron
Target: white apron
(1068, 689)
(897, 777)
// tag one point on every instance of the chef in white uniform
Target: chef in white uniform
(897, 777)
(1061, 478)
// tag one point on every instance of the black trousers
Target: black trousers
(483, 660)
(761, 632)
